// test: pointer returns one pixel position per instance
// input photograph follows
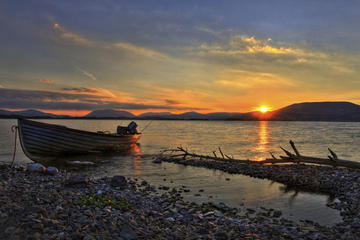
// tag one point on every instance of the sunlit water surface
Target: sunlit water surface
(242, 140)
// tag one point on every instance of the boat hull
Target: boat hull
(49, 140)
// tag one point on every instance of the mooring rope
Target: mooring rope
(14, 129)
(146, 126)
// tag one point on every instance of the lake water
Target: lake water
(243, 140)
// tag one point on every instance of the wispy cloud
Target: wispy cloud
(82, 90)
(171, 102)
(117, 46)
(87, 74)
(247, 79)
(95, 91)
(72, 37)
(242, 45)
(48, 81)
(41, 99)
(137, 50)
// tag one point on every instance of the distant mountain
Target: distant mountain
(168, 115)
(156, 115)
(317, 111)
(5, 113)
(29, 114)
(109, 113)
(225, 116)
(307, 111)
(190, 116)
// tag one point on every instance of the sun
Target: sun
(263, 109)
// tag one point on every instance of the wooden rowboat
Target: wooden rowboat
(39, 140)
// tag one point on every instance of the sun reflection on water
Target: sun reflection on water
(263, 138)
(136, 153)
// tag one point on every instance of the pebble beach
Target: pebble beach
(72, 206)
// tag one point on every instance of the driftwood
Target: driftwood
(332, 160)
(184, 153)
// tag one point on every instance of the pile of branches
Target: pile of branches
(289, 157)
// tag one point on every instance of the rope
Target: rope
(146, 126)
(14, 129)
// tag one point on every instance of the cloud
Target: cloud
(208, 31)
(249, 50)
(137, 50)
(171, 102)
(247, 79)
(87, 74)
(46, 81)
(72, 37)
(96, 91)
(119, 46)
(40, 99)
(82, 90)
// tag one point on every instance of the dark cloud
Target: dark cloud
(171, 102)
(82, 90)
(36, 99)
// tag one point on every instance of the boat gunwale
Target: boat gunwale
(35, 157)
(76, 137)
(60, 127)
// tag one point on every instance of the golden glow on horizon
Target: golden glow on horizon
(263, 109)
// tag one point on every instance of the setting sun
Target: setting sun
(263, 109)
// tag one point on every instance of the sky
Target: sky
(72, 57)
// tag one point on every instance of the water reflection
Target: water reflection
(295, 191)
(72, 161)
(136, 153)
(263, 138)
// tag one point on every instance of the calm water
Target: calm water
(244, 140)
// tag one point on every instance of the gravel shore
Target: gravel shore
(341, 183)
(71, 206)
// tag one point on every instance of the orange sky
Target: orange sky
(214, 57)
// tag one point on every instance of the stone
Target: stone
(88, 212)
(9, 230)
(88, 237)
(80, 163)
(128, 233)
(220, 235)
(37, 235)
(170, 219)
(277, 214)
(52, 170)
(36, 167)
(76, 180)
(118, 181)
(157, 160)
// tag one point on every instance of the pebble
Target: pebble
(36, 167)
(39, 206)
(52, 170)
(118, 181)
(76, 179)
(157, 160)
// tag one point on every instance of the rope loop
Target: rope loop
(14, 129)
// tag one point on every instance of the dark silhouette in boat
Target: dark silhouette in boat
(39, 140)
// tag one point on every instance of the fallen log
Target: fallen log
(186, 153)
(333, 160)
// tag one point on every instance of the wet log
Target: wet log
(313, 160)
(294, 148)
(333, 160)
(184, 152)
